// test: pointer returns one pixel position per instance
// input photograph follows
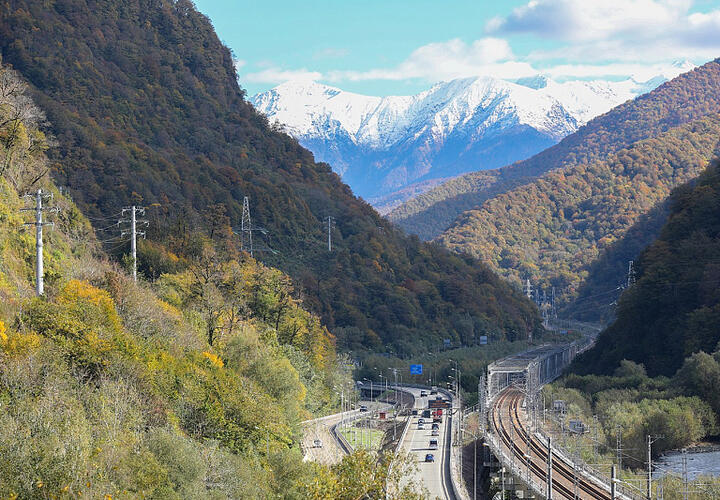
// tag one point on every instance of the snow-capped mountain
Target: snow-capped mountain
(383, 145)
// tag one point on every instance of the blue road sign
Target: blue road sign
(416, 369)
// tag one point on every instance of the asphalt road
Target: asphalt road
(320, 428)
(433, 475)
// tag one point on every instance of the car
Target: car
(435, 432)
(435, 426)
(421, 426)
(421, 420)
(317, 443)
(414, 412)
(363, 408)
(429, 457)
(433, 444)
(423, 394)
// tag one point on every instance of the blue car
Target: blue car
(429, 457)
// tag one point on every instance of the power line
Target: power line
(246, 243)
(246, 232)
(39, 196)
(330, 220)
(630, 275)
(133, 232)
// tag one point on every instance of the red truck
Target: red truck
(437, 415)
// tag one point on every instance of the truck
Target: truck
(426, 414)
(437, 415)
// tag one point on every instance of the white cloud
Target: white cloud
(584, 20)
(597, 39)
(277, 75)
(616, 30)
(447, 60)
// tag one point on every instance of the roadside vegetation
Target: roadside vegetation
(627, 406)
(193, 386)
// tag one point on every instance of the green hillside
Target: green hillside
(680, 101)
(607, 276)
(656, 369)
(144, 101)
(192, 388)
(673, 310)
(552, 229)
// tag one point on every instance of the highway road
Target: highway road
(511, 425)
(321, 428)
(435, 476)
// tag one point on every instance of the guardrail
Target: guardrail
(455, 489)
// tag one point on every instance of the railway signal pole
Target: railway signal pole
(39, 196)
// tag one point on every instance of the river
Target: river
(698, 464)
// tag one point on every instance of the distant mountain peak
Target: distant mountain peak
(382, 145)
(534, 82)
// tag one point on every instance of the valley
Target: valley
(359, 252)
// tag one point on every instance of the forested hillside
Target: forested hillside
(682, 100)
(673, 310)
(656, 368)
(552, 229)
(143, 99)
(607, 276)
(192, 388)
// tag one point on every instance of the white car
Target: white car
(433, 444)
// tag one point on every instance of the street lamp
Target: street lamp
(372, 392)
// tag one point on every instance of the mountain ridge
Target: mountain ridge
(431, 213)
(144, 100)
(671, 312)
(381, 145)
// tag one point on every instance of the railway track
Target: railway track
(567, 483)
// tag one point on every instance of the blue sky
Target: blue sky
(384, 47)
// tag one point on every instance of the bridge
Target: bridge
(532, 368)
(508, 411)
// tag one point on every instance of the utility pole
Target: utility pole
(618, 446)
(630, 274)
(482, 402)
(330, 221)
(246, 243)
(38, 209)
(549, 495)
(686, 493)
(596, 424)
(133, 232)
(613, 480)
(528, 289)
(650, 440)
